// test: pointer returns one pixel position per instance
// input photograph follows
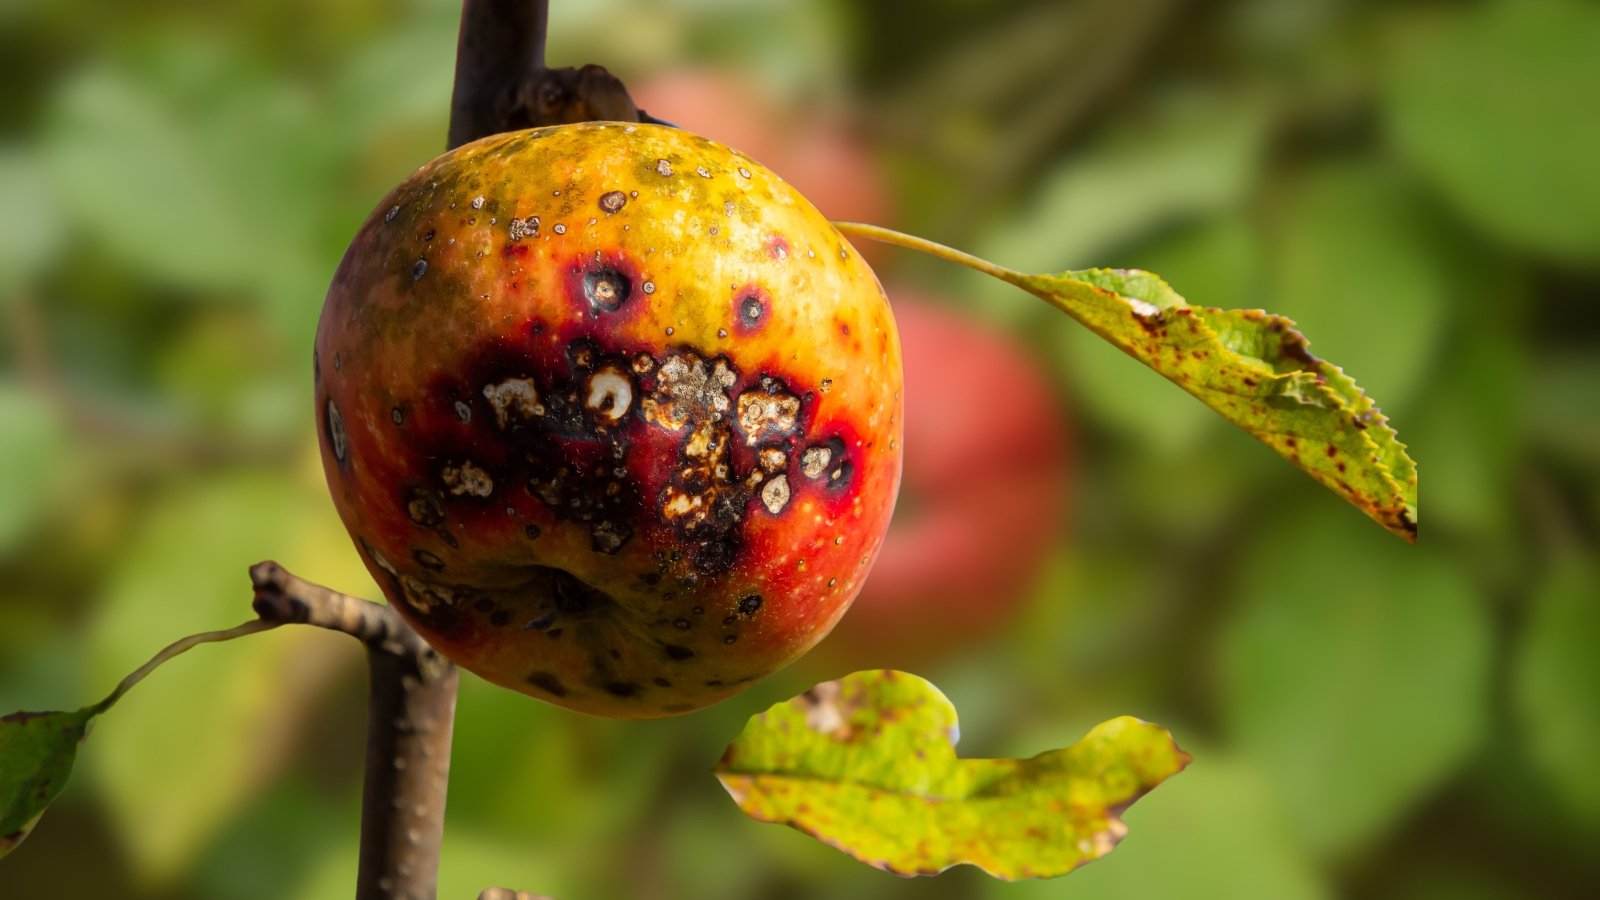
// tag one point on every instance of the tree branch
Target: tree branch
(411, 703)
(502, 83)
(501, 47)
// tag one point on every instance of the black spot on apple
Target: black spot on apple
(749, 605)
(678, 653)
(622, 689)
(336, 435)
(750, 310)
(423, 507)
(606, 289)
(840, 476)
(548, 682)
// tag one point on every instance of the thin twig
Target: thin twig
(284, 598)
(180, 646)
(410, 712)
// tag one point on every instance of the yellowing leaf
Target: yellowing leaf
(868, 764)
(1248, 365)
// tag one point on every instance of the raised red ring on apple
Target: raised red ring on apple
(612, 414)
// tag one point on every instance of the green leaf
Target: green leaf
(868, 764)
(1556, 686)
(1197, 160)
(1496, 111)
(1354, 674)
(36, 755)
(31, 438)
(1248, 365)
(1233, 845)
(33, 229)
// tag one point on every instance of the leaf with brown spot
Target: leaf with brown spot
(37, 751)
(1251, 366)
(868, 764)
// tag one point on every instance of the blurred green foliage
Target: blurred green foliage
(1414, 182)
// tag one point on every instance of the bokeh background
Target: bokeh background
(1416, 183)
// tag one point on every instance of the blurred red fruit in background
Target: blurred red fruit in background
(983, 497)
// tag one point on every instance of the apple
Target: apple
(612, 414)
(987, 475)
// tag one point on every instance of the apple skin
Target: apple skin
(816, 151)
(612, 414)
(988, 473)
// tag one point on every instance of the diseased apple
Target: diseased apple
(987, 476)
(612, 413)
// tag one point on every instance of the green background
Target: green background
(1415, 183)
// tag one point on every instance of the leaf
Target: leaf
(37, 750)
(1197, 160)
(1248, 365)
(1234, 845)
(867, 763)
(1218, 259)
(31, 438)
(34, 229)
(1556, 685)
(1491, 110)
(1354, 675)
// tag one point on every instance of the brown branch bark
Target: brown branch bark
(501, 46)
(411, 703)
(503, 84)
